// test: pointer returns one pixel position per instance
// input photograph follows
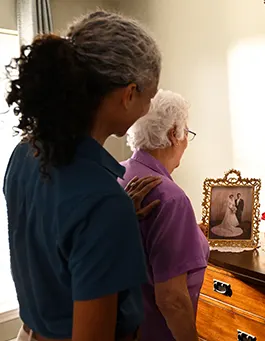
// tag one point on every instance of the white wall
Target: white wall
(201, 61)
(64, 11)
(8, 14)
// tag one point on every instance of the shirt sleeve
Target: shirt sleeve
(107, 255)
(174, 243)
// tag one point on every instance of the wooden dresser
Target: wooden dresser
(232, 300)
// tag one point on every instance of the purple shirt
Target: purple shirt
(173, 242)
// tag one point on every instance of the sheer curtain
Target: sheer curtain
(9, 47)
(33, 17)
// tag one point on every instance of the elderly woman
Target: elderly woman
(175, 247)
(77, 270)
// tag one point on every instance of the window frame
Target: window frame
(9, 320)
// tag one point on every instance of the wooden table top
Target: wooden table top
(248, 263)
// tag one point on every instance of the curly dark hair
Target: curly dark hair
(59, 82)
(56, 97)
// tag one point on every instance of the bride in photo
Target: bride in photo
(228, 227)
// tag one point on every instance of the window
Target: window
(9, 47)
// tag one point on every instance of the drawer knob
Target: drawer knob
(242, 336)
(222, 288)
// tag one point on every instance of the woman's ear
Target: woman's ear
(127, 95)
(172, 136)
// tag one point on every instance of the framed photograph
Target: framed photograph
(231, 210)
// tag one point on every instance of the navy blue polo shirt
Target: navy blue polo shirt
(74, 237)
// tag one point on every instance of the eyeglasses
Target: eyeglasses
(191, 134)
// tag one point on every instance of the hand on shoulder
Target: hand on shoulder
(138, 189)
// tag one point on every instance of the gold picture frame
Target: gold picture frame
(227, 226)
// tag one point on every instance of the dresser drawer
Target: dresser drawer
(217, 321)
(245, 295)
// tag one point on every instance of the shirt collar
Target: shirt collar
(149, 161)
(93, 151)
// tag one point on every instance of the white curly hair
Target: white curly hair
(167, 110)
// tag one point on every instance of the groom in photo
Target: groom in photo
(239, 202)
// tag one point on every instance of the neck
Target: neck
(101, 126)
(163, 156)
(99, 138)
(99, 133)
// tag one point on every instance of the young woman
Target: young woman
(76, 254)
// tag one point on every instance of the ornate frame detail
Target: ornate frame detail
(232, 178)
